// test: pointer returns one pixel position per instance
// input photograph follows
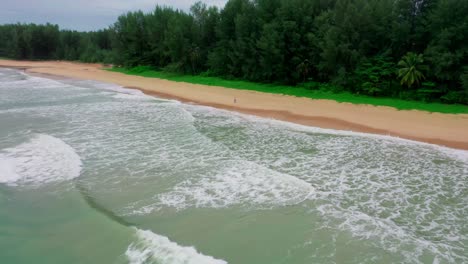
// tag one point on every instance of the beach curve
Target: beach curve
(450, 130)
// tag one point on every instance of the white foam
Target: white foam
(126, 96)
(118, 89)
(119, 92)
(153, 248)
(461, 155)
(404, 196)
(44, 159)
(244, 183)
(7, 170)
(132, 93)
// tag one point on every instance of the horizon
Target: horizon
(85, 15)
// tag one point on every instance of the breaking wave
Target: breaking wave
(44, 159)
(151, 248)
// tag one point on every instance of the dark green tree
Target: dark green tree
(410, 69)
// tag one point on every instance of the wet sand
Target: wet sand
(449, 130)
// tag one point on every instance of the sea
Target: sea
(93, 172)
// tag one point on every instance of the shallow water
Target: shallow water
(94, 173)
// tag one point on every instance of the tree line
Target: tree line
(48, 42)
(409, 49)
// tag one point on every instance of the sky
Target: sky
(83, 15)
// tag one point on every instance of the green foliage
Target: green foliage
(375, 77)
(366, 47)
(455, 97)
(428, 91)
(303, 69)
(464, 79)
(46, 42)
(21, 41)
(410, 69)
(447, 49)
(311, 90)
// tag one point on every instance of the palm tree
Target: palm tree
(410, 69)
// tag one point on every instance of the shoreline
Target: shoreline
(449, 130)
(314, 121)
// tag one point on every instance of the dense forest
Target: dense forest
(409, 49)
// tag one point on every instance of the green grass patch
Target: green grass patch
(298, 91)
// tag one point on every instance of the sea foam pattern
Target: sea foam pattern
(156, 157)
(379, 188)
(44, 159)
(247, 185)
(151, 248)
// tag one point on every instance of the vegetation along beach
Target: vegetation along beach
(234, 131)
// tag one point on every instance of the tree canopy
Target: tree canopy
(373, 47)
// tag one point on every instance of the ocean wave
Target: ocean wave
(44, 159)
(383, 190)
(152, 248)
(239, 183)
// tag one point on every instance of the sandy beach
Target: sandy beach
(443, 129)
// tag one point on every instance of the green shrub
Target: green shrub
(455, 97)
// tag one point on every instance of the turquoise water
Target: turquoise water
(94, 173)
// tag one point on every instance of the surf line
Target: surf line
(88, 198)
